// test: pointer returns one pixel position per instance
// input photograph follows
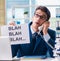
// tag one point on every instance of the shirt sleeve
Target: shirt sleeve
(46, 37)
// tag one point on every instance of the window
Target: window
(52, 5)
(15, 10)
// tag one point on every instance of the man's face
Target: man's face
(39, 18)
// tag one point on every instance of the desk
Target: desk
(38, 59)
(32, 59)
(26, 59)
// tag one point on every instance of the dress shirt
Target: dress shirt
(46, 37)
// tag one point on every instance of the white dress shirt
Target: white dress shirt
(46, 37)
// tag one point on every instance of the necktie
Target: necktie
(34, 36)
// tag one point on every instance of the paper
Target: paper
(18, 34)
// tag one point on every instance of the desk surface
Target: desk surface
(36, 59)
(26, 58)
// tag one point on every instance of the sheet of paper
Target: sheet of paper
(18, 34)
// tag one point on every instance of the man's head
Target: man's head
(44, 9)
(41, 15)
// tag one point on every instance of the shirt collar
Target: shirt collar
(33, 30)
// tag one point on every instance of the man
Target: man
(43, 42)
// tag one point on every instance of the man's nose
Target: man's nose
(38, 18)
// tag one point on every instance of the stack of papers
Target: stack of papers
(57, 46)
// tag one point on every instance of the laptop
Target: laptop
(5, 49)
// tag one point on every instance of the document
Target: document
(18, 34)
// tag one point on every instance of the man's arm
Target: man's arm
(50, 42)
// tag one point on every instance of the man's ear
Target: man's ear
(49, 23)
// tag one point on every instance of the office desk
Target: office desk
(38, 59)
(34, 59)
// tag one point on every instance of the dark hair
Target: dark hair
(44, 9)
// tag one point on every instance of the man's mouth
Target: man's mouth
(37, 23)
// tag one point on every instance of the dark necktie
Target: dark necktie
(34, 36)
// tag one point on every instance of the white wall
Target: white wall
(48, 2)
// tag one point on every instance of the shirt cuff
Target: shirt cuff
(46, 37)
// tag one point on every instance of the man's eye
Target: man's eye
(41, 17)
(37, 15)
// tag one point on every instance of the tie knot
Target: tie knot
(35, 34)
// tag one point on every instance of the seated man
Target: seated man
(41, 40)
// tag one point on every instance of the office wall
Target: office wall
(2, 12)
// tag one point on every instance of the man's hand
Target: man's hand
(12, 23)
(45, 27)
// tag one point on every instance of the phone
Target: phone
(40, 28)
